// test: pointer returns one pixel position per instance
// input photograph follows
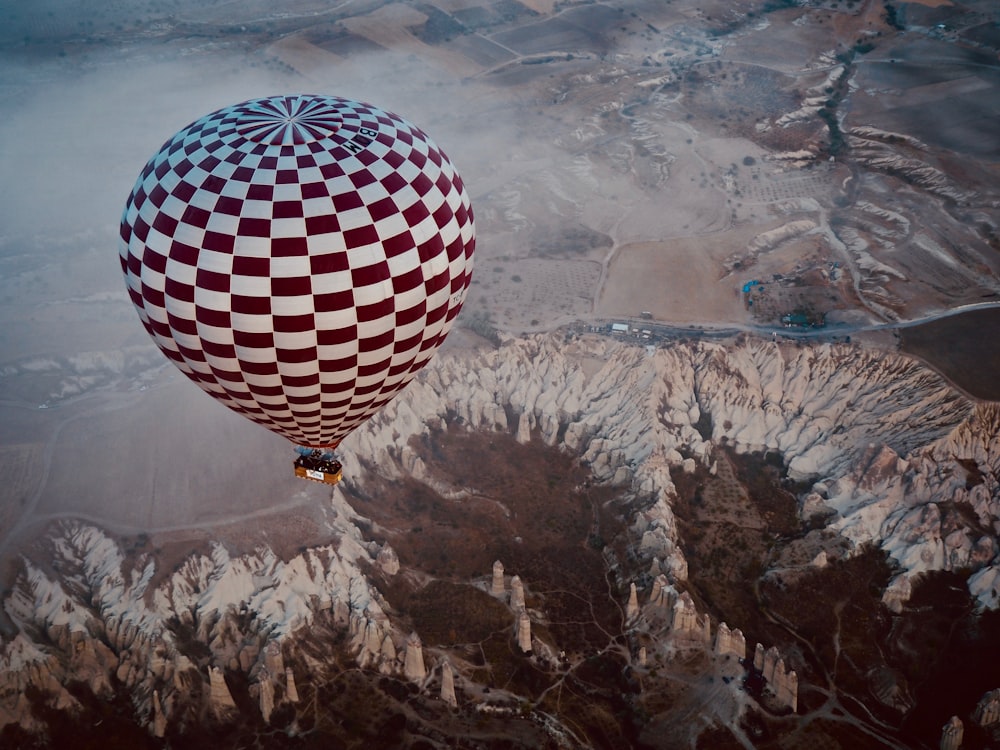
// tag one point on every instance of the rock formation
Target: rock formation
(952, 734)
(219, 698)
(516, 593)
(413, 665)
(869, 147)
(770, 662)
(274, 662)
(785, 686)
(373, 635)
(159, 725)
(687, 626)
(523, 629)
(122, 628)
(266, 687)
(387, 560)
(291, 692)
(730, 642)
(642, 656)
(388, 650)
(988, 710)
(22, 665)
(889, 689)
(632, 608)
(661, 595)
(781, 682)
(894, 448)
(448, 684)
(769, 240)
(497, 584)
(818, 405)
(370, 629)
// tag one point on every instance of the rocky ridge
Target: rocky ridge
(882, 442)
(92, 615)
(887, 452)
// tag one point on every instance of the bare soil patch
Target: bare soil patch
(734, 98)
(171, 456)
(679, 280)
(525, 293)
(745, 93)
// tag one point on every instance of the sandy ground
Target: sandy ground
(160, 459)
(658, 277)
(169, 453)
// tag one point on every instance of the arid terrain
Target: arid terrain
(730, 339)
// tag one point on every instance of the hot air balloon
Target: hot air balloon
(300, 258)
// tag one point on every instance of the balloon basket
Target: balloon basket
(317, 465)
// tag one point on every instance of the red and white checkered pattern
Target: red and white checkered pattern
(300, 258)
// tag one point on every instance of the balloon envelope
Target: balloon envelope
(299, 257)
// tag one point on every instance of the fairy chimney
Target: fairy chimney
(988, 710)
(771, 658)
(266, 686)
(516, 593)
(388, 649)
(660, 597)
(524, 632)
(273, 660)
(387, 560)
(413, 666)
(786, 687)
(448, 684)
(632, 608)
(497, 587)
(220, 699)
(730, 642)
(291, 692)
(159, 720)
(687, 625)
(951, 734)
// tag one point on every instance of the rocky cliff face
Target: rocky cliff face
(887, 451)
(894, 455)
(93, 615)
